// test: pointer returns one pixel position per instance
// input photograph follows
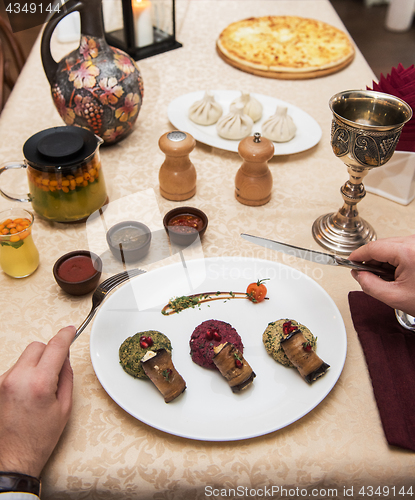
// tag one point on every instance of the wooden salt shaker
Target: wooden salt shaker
(253, 181)
(177, 175)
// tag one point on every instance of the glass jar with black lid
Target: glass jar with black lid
(66, 183)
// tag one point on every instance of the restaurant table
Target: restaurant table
(104, 452)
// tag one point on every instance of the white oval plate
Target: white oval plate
(308, 130)
(208, 410)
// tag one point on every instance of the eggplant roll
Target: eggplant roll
(303, 357)
(159, 368)
(232, 365)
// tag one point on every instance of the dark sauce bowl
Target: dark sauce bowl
(185, 235)
(127, 247)
(78, 272)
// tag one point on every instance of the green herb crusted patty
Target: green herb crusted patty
(133, 349)
(274, 334)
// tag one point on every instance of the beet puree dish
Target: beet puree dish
(209, 335)
(78, 272)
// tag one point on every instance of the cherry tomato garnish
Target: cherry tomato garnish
(256, 292)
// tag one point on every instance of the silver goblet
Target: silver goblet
(365, 130)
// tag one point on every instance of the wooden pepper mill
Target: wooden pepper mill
(177, 175)
(253, 181)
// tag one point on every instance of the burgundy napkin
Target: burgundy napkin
(401, 83)
(389, 350)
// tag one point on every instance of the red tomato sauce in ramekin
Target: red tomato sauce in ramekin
(76, 268)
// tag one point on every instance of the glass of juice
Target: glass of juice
(19, 256)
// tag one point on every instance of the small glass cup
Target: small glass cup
(19, 256)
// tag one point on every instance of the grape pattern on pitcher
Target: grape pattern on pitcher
(100, 88)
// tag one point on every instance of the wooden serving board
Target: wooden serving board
(286, 75)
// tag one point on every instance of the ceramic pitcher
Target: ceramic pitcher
(96, 86)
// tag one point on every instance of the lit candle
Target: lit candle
(143, 24)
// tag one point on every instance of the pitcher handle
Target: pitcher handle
(10, 196)
(49, 64)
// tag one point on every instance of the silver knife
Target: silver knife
(320, 257)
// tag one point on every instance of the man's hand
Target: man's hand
(35, 404)
(399, 252)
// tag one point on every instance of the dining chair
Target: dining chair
(11, 60)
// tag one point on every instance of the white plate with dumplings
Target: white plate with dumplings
(308, 132)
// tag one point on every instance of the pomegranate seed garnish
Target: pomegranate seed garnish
(143, 344)
(307, 346)
(209, 335)
(217, 336)
(238, 363)
(149, 341)
(288, 327)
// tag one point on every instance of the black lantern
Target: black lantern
(142, 28)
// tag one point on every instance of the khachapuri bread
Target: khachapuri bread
(289, 44)
(279, 330)
(209, 335)
(134, 348)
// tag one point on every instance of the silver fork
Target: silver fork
(102, 291)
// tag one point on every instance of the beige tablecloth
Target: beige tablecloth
(106, 453)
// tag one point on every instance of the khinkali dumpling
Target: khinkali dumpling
(279, 127)
(206, 111)
(235, 125)
(252, 107)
